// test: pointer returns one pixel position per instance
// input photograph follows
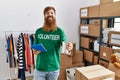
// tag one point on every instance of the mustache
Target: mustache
(49, 17)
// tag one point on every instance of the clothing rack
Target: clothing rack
(18, 32)
(11, 32)
(7, 33)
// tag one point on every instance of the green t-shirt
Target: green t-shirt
(52, 40)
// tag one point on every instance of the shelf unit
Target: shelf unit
(87, 36)
(111, 25)
(108, 48)
(92, 23)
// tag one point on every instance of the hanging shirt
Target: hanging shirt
(28, 53)
(21, 52)
(31, 43)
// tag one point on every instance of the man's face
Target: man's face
(50, 16)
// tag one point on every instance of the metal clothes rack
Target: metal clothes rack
(7, 33)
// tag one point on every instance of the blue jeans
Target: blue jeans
(39, 75)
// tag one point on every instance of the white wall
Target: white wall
(27, 15)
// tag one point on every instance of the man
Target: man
(52, 37)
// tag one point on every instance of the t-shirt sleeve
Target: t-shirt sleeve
(63, 36)
(35, 39)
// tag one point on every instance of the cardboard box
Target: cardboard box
(84, 42)
(105, 24)
(116, 9)
(74, 49)
(117, 52)
(94, 11)
(106, 9)
(62, 75)
(96, 21)
(105, 1)
(111, 8)
(95, 59)
(78, 64)
(84, 12)
(78, 57)
(84, 29)
(94, 30)
(114, 38)
(103, 63)
(88, 55)
(105, 52)
(66, 60)
(91, 29)
(95, 72)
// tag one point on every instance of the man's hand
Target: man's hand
(36, 51)
(69, 46)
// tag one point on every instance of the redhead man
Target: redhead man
(53, 38)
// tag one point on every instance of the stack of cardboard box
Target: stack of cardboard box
(69, 61)
(109, 8)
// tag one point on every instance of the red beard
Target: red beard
(50, 23)
(49, 20)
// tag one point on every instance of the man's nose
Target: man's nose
(50, 14)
